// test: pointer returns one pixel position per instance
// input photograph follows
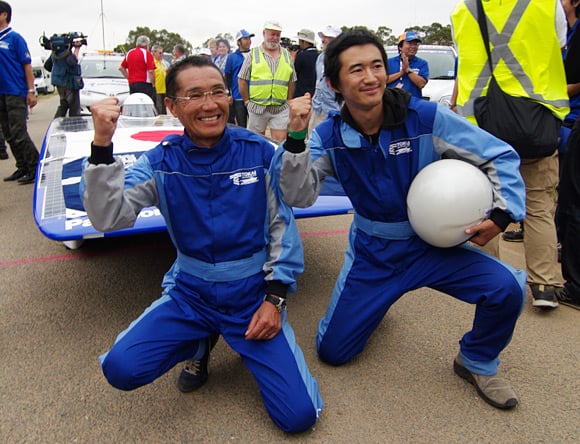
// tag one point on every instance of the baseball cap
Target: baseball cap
(329, 31)
(307, 35)
(409, 36)
(205, 51)
(273, 25)
(242, 33)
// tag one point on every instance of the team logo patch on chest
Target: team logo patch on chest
(401, 147)
(244, 178)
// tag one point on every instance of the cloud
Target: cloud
(196, 24)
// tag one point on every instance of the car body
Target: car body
(42, 77)
(57, 204)
(102, 78)
(442, 70)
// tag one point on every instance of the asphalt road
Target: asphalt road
(59, 309)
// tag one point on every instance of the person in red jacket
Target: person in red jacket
(138, 67)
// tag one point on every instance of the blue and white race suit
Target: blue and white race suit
(235, 239)
(385, 258)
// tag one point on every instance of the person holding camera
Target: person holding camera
(66, 76)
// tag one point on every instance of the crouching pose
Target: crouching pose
(238, 248)
(374, 147)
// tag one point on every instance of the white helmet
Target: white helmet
(445, 198)
(138, 109)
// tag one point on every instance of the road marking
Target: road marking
(63, 257)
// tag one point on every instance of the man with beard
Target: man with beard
(267, 80)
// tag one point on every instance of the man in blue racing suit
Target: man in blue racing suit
(238, 248)
(374, 147)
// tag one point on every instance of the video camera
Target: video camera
(59, 43)
(285, 42)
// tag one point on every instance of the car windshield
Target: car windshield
(441, 63)
(101, 68)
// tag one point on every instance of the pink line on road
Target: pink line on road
(63, 257)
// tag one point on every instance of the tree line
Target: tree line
(433, 34)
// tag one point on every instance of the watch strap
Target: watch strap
(279, 303)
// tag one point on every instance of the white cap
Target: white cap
(273, 25)
(204, 51)
(330, 31)
(242, 33)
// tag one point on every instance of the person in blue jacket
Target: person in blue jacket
(374, 147)
(238, 248)
(407, 71)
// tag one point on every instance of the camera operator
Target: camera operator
(66, 73)
(305, 63)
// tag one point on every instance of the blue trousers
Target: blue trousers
(174, 328)
(377, 272)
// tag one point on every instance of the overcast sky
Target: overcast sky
(196, 21)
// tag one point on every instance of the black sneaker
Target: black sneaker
(3, 154)
(566, 298)
(513, 236)
(544, 296)
(195, 373)
(27, 178)
(16, 175)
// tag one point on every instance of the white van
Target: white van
(42, 82)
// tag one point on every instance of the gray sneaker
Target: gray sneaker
(544, 296)
(493, 389)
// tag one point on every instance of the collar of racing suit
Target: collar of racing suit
(395, 103)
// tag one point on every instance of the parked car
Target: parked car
(42, 78)
(102, 79)
(442, 61)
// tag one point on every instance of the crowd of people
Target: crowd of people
(350, 113)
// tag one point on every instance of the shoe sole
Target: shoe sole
(462, 372)
(541, 303)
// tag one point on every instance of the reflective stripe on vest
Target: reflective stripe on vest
(513, 78)
(267, 88)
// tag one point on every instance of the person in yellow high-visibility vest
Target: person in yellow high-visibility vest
(525, 40)
(266, 81)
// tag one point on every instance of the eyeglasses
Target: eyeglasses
(217, 94)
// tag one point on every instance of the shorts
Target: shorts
(259, 122)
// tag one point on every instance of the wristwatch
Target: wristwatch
(279, 303)
(410, 71)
